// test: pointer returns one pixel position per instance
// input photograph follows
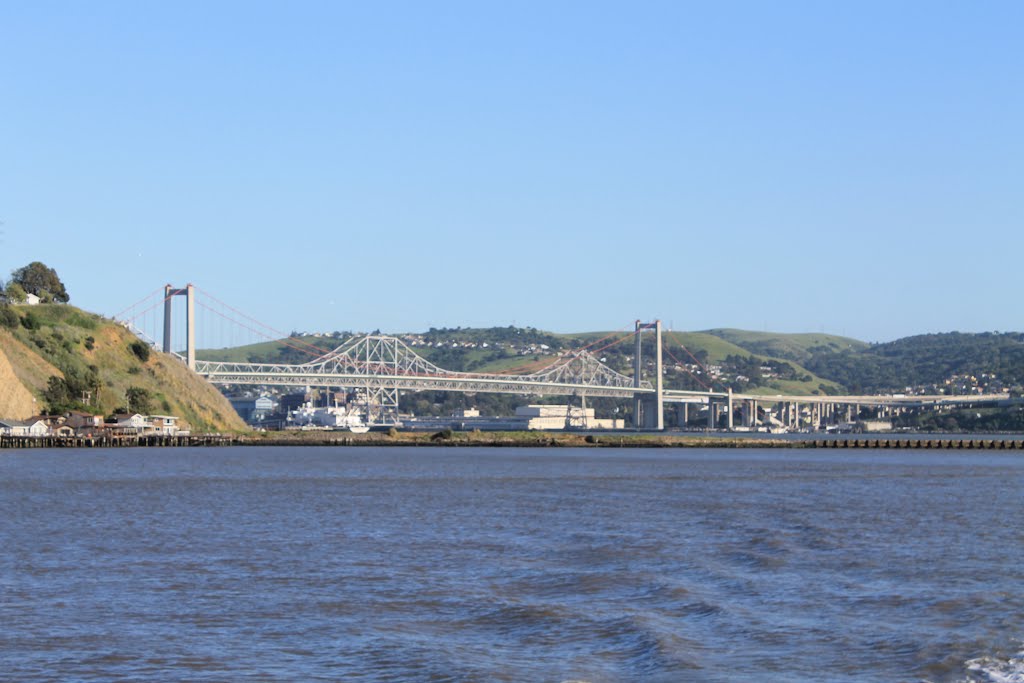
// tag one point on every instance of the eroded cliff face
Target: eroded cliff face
(16, 402)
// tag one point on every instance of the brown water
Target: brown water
(308, 564)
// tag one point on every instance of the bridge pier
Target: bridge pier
(190, 321)
(729, 410)
(648, 413)
(682, 414)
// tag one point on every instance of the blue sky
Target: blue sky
(854, 168)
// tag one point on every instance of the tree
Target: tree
(138, 400)
(14, 293)
(39, 279)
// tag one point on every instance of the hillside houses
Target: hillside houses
(77, 423)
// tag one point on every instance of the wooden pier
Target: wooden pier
(136, 441)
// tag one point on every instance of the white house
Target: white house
(31, 428)
(13, 428)
(134, 422)
(31, 299)
(37, 427)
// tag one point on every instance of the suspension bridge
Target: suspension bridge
(381, 367)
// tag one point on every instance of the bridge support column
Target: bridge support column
(638, 367)
(648, 413)
(659, 396)
(190, 321)
(749, 413)
(712, 408)
(729, 409)
(168, 297)
(190, 326)
(683, 414)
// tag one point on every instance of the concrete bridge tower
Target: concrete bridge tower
(648, 411)
(190, 321)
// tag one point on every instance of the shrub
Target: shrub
(8, 317)
(90, 343)
(443, 435)
(140, 349)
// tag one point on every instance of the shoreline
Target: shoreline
(512, 440)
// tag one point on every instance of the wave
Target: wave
(996, 669)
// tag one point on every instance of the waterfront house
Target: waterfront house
(128, 423)
(13, 428)
(162, 424)
(83, 423)
(52, 421)
(62, 430)
(36, 427)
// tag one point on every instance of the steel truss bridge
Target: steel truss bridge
(378, 362)
(382, 366)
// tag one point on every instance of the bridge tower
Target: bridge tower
(190, 321)
(648, 411)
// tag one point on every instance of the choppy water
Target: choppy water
(511, 565)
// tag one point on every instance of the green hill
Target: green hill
(66, 358)
(799, 347)
(952, 361)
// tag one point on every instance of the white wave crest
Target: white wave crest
(996, 670)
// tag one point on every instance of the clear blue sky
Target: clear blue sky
(855, 167)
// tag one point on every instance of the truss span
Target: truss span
(376, 362)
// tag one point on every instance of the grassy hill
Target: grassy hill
(84, 350)
(799, 348)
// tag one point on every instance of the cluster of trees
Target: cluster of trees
(923, 360)
(74, 391)
(35, 278)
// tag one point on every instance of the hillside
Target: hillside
(951, 361)
(65, 358)
(798, 347)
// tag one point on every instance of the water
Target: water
(511, 565)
